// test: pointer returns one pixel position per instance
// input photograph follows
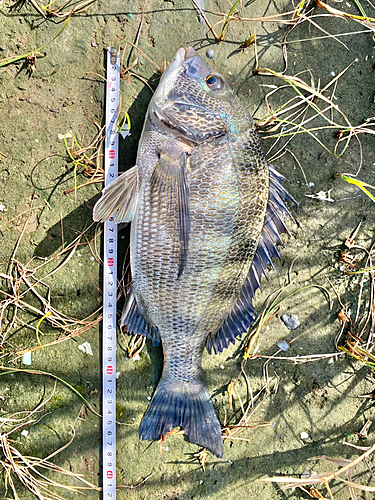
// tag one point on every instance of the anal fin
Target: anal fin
(135, 323)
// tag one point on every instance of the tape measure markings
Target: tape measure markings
(110, 281)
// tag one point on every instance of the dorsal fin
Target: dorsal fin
(134, 322)
(242, 314)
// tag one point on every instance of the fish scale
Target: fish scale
(207, 211)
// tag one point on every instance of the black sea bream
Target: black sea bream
(206, 212)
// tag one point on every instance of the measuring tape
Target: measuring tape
(110, 280)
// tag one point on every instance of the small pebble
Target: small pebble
(304, 435)
(291, 321)
(210, 54)
(283, 345)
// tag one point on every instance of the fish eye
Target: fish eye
(215, 82)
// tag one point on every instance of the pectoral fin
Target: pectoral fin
(170, 191)
(120, 196)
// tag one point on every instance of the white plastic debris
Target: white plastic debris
(322, 196)
(124, 131)
(86, 348)
(118, 374)
(3, 208)
(304, 435)
(25, 433)
(26, 358)
(67, 135)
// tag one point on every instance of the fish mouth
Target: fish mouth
(189, 53)
(181, 57)
(158, 114)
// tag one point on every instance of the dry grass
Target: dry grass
(358, 323)
(86, 159)
(347, 467)
(18, 468)
(50, 11)
(58, 10)
(24, 279)
(310, 104)
(245, 421)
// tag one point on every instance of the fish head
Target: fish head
(194, 102)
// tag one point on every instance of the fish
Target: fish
(207, 211)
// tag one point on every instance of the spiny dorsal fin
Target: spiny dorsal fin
(120, 196)
(242, 314)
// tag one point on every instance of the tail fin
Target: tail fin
(186, 405)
